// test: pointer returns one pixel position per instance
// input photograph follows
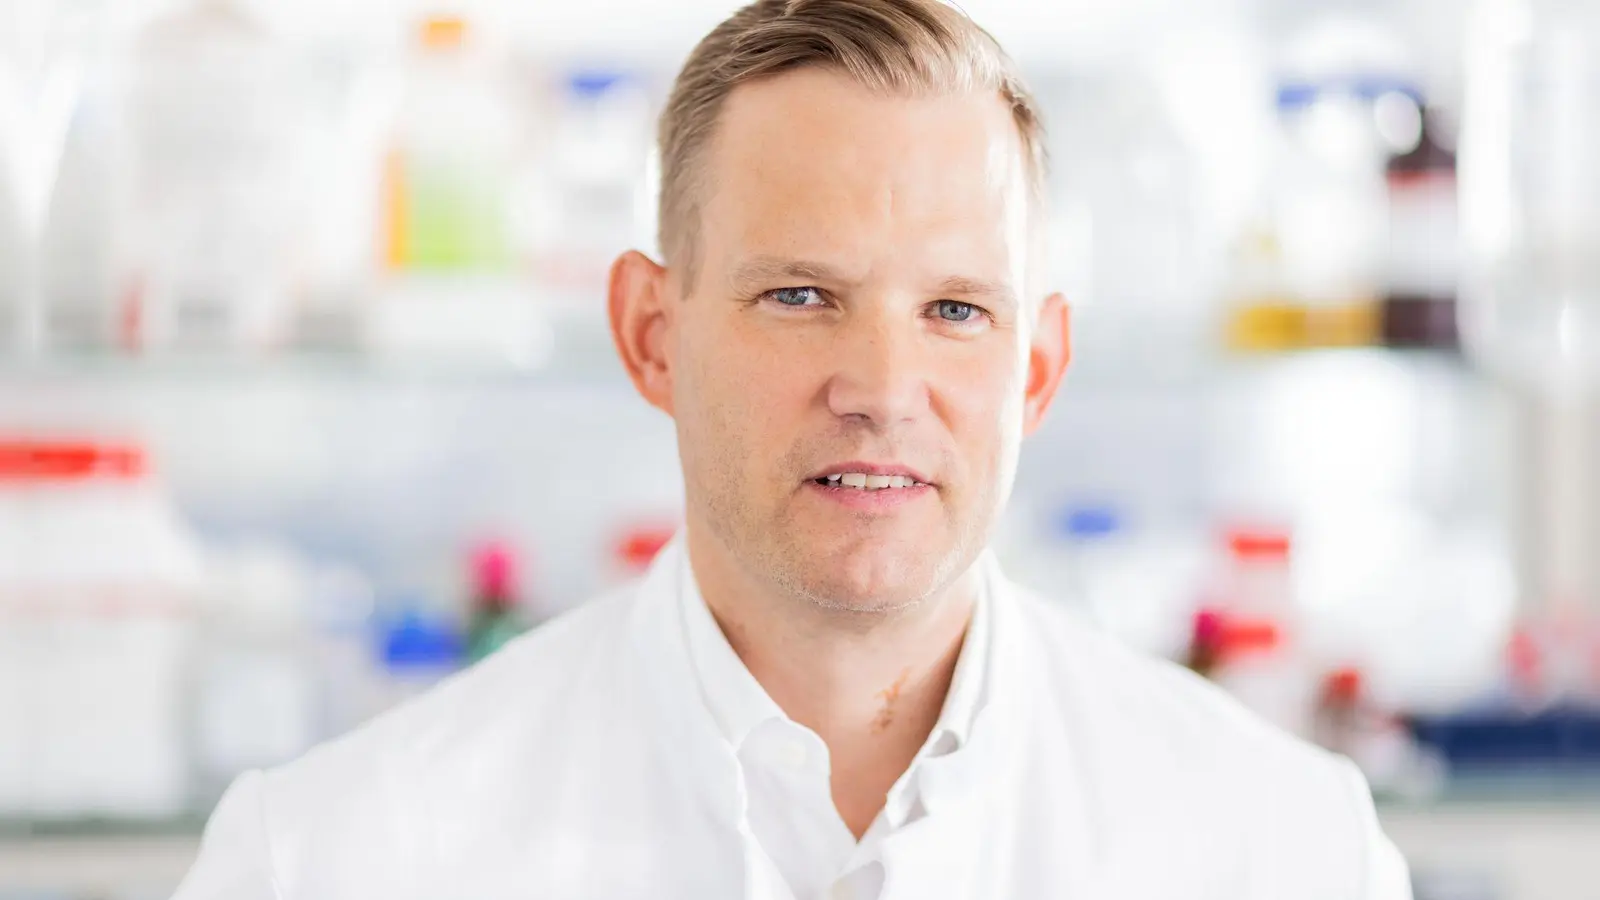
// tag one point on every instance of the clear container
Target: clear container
(1529, 163)
(594, 197)
(256, 686)
(419, 650)
(13, 237)
(1129, 233)
(447, 258)
(97, 593)
(1325, 239)
(344, 648)
(446, 204)
(78, 245)
(216, 199)
(1421, 283)
(40, 75)
(1318, 241)
(1530, 190)
(1252, 632)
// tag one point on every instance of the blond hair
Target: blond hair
(898, 46)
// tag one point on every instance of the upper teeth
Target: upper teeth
(871, 482)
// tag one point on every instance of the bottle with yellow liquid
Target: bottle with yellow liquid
(449, 284)
(1263, 317)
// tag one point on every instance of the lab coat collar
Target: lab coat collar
(740, 705)
(965, 794)
(736, 700)
(969, 795)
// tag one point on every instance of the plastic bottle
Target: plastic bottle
(1131, 236)
(18, 644)
(256, 690)
(449, 168)
(78, 247)
(40, 77)
(1530, 315)
(99, 596)
(1137, 583)
(345, 651)
(636, 548)
(1249, 637)
(216, 169)
(1530, 190)
(1263, 315)
(1055, 551)
(13, 236)
(418, 651)
(1419, 306)
(448, 282)
(497, 614)
(1331, 205)
(1090, 535)
(1322, 222)
(1350, 721)
(596, 197)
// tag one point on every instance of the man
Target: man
(824, 688)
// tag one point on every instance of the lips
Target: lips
(869, 477)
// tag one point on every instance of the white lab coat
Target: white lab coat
(581, 762)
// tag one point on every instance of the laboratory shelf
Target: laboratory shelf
(304, 365)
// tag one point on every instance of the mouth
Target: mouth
(869, 478)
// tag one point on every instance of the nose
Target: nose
(879, 374)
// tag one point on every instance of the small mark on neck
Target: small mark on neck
(890, 697)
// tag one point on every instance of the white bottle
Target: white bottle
(256, 702)
(108, 584)
(595, 197)
(13, 280)
(77, 258)
(1530, 190)
(215, 199)
(18, 646)
(1261, 649)
(1330, 198)
(449, 289)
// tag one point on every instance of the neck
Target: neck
(870, 685)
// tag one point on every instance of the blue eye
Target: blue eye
(956, 311)
(795, 296)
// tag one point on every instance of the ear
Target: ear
(1048, 357)
(641, 318)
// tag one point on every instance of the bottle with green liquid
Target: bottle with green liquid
(496, 617)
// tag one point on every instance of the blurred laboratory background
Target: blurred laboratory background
(306, 398)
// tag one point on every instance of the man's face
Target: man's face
(857, 309)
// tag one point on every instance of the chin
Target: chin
(872, 580)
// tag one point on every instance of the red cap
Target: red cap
(1259, 543)
(44, 461)
(494, 570)
(1247, 635)
(639, 546)
(1208, 628)
(1343, 685)
(1230, 636)
(1525, 658)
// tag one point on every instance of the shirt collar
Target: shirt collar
(740, 705)
(737, 702)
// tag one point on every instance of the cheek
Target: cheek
(747, 386)
(984, 412)
(985, 395)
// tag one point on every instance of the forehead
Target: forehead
(812, 163)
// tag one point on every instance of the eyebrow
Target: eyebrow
(763, 269)
(994, 291)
